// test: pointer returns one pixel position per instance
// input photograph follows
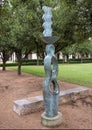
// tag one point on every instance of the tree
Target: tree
(65, 13)
(26, 28)
(72, 21)
(5, 22)
(84, 48)
(5, 54)
(66, 51)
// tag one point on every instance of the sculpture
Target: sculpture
(50, 97)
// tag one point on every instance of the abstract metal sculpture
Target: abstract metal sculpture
(51, 67)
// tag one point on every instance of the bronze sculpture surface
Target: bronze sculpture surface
(51, 97)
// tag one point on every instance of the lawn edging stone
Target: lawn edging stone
(33, 104)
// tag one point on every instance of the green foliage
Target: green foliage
(27, 22)
(5, 28)
(73, 61)
(21, 25)
(5, 18)
(84, 48)
(73, 22)
(9, 64)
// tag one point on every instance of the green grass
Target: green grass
(74, 73)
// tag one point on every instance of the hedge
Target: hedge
(41, 62)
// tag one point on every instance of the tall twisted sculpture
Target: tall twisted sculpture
(51, 97)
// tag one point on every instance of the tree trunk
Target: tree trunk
(19, 67)
(19, 57)
(43, 56)
(4, 65)
(57, 56)
(4, 60)
(37, 55)
(67, 58)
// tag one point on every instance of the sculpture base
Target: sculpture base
(51, 121)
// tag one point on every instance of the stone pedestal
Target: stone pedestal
(51, 121)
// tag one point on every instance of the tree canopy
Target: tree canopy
(21, 24)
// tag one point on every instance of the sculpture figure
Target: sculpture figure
(50, 96)
(51, 67)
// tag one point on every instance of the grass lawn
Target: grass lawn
(74, 73)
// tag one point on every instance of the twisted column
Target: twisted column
(51, 71)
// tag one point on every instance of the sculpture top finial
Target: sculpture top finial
(47, 21)
(46, 9)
